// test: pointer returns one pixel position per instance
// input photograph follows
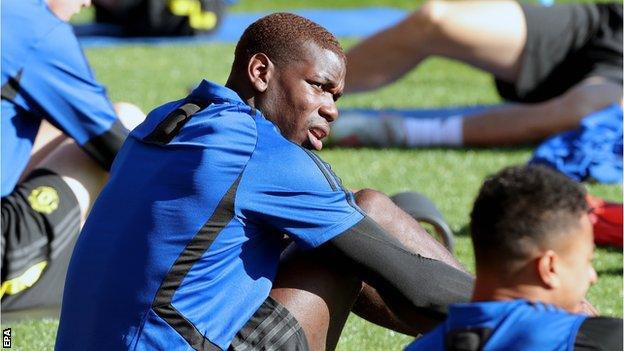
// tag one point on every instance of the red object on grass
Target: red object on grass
(607, 220)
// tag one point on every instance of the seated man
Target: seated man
(54, 113)
(182, 248)
(533, 248)
(557, 63)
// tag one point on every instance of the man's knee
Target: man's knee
(430, 18)
(372, 202)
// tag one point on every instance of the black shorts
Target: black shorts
(272, 327)
(40, 224)
(566, 44)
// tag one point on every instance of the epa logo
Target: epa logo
(6, 338)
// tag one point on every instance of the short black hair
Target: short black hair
(281, 36)
(522, 208)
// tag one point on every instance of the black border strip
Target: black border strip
(171, 125)
(194, 250)
(104, 147)
(11, 87)
(323, 168)
(334, 181)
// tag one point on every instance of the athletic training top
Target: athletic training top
(183, 243)
(46, 76)
(517, 325)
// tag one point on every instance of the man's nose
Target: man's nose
(328, 110)
(593, 278)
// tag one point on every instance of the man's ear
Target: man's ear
(260, 71)
(548, 269)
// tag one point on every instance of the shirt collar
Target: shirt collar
(210, 91)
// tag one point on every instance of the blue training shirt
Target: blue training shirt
(183, 243)
(515, 325)
(51, 80)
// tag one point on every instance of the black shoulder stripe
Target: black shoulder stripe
(324, 169)
(104, 147)
(193, 251)
(467, 339)
(11, 87)
(169, 127)
(334, 181)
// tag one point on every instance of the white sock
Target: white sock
(434, 131)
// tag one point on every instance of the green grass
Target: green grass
(149, 76)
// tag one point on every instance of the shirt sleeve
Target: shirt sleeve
(58, 83)
(299, 195)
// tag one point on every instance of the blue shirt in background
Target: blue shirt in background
(515, 325)
(54, 82)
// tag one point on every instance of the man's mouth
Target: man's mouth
(315, 135)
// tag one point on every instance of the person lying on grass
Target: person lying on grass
(555, 65)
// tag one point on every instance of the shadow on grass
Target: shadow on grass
(496, 149)
(610, 271)
(463, 231)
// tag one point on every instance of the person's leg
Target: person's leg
(129, 114)
(41, 219)
(48, 139)
(40, 222)
(83, 175)
(320, 293)
(511, 124)
(54, 151)
(403, 227)
(486, 34)
(529, 123)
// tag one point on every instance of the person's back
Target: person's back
(533, 247)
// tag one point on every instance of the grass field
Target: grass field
(149, 76)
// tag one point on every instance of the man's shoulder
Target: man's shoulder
(505, 325)
(207, 123)
(520, 316)
(533, 325)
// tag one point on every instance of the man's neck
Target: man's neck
(244, 92)
(496, 290)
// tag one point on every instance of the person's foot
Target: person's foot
(355, 129)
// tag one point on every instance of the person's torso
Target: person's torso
(174, 249)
